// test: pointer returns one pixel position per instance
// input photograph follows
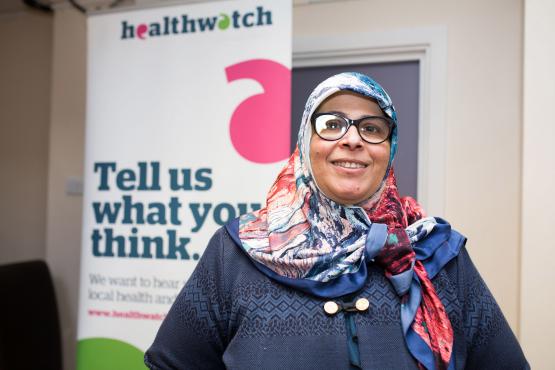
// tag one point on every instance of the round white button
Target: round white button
(362, 304)
(331, 308)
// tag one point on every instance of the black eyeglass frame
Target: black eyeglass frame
(353, 122)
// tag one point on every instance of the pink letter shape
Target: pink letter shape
(260, 126)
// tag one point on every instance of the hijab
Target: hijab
(305, 240)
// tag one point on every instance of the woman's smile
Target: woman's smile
(349, 164)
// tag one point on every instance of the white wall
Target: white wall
(66, 157)
(538, 184)
(25, 55)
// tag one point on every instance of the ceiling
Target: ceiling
(11, 6)
(14, 6)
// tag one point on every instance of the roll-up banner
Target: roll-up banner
(188, 123)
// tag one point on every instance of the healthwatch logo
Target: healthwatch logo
(185, 24)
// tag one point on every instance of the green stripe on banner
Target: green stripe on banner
(108, 354)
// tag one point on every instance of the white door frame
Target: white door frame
(428, 46)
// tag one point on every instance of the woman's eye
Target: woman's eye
(370, 129)
(333, 125)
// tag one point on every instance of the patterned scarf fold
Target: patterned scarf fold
(305, 240)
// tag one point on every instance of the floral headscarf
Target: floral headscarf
(307, 241)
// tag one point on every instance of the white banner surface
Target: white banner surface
(187, 126)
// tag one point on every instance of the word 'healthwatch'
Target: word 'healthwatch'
(184, 24)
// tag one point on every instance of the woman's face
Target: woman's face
(349, 170)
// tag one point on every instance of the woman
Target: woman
(337, 271)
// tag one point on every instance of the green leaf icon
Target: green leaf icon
(224, 22)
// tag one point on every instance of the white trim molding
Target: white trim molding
(428, 46)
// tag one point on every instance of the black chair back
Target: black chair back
(29, 323)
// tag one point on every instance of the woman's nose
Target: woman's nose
(351, 138)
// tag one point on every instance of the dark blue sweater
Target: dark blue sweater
(229, 315)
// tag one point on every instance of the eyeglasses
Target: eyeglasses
(372, 129)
